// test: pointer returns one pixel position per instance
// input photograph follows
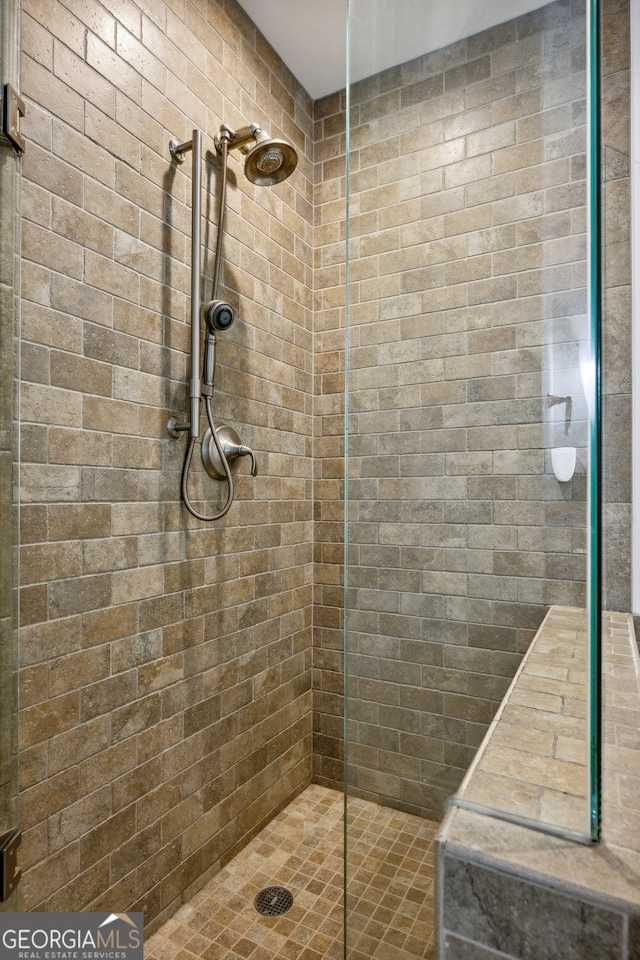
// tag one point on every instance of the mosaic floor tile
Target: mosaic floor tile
(389, 890)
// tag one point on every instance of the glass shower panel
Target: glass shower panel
(10, 173)
(471, 431)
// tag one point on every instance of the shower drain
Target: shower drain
(273, 901)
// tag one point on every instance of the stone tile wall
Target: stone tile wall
(10, 182)
(329, 361)
(467, 279)
(166, 664)
(617, 343)
(524, 919)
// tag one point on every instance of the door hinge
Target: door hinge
(12, 110)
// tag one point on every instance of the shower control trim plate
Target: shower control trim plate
(233, 449)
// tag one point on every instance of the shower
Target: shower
(268, 161)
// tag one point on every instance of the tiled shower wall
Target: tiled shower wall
(165, 686)
(166, 664)
(467, 278)
(9, 475)
(328, 464)
(617, 339)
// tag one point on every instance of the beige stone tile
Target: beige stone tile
(109, 180)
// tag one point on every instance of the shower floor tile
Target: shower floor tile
(390, 890)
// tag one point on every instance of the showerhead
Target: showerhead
(268, 159)
(219, 315)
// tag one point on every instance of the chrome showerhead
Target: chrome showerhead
(269, 160)
(219, 315)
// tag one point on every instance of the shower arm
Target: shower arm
(240, 139)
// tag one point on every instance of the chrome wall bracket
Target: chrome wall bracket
(175, 427)
(178, 150)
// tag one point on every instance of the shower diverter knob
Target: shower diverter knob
(233, 449)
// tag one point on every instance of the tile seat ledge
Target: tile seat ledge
(605, 874)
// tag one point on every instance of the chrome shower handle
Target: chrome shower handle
(248, 452)
(232, 448)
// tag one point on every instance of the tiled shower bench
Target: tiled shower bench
(504, 890)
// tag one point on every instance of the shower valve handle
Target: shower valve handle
(248, 452)
(233, 449)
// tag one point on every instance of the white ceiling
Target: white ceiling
(309, 35)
